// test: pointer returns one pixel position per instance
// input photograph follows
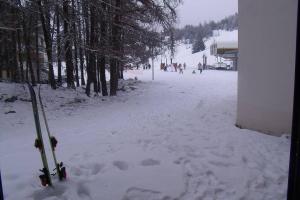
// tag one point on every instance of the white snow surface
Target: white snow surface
(172, 138)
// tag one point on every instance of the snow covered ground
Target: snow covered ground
(172, 138)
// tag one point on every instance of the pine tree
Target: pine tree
(198, 44)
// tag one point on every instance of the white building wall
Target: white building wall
(267, 43)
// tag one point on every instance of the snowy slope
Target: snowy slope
(173, 138)
(184, 51)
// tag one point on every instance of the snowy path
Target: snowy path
(173, 138)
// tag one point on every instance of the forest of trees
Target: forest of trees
(87, 36)
(195, 34)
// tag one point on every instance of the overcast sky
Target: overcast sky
(195, 11)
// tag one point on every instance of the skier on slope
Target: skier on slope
(200, 67)
(180, 69)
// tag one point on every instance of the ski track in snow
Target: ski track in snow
(171, 139)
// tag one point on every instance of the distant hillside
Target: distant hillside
(195, 34)
(184, 51)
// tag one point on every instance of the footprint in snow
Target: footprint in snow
(150, 162)
(96, 168)
(179, 160)
(53, 193)
(144, 194)
(76, 171)
(219, 163)
(121, 165)
(83, 191)
(114, 132)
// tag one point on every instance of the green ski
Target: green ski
(60, 169)
(45, 177)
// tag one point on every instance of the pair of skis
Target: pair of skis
(60, 170)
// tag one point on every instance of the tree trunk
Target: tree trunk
(86, 35)
(45, 19)
(116, 33)
(6, 57)
(58, 44)
(91, 67)
(113, 77)
(98, 75)
(20, 56)
(28, 59)
(28, 54)
(75, 43)
(68, 46)
(80, 41)
(15, 74)
(76, 64)
(121, 69)
(101, 62)
(38, 72)
(101, 66)
(81, 65)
